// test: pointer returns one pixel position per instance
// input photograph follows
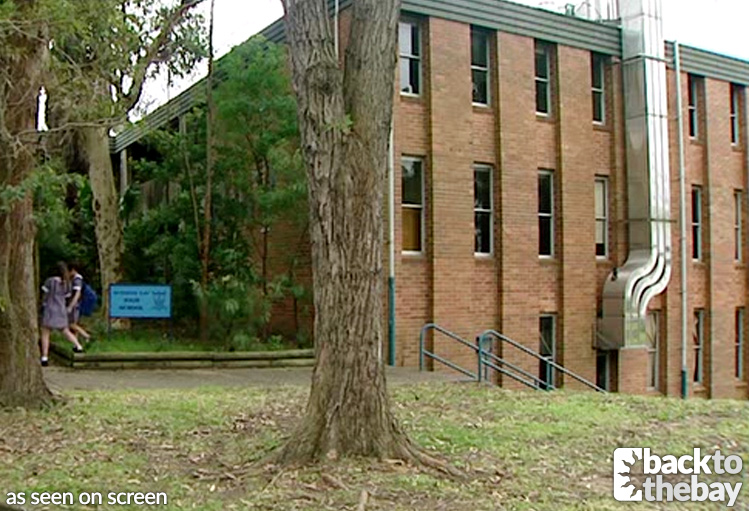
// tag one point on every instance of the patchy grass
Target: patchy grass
(524, 451)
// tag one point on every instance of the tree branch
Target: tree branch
(141, 69)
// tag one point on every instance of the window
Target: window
(694, 117)
(546, 213)
(603, 369)
(480, 58)
(739, 355)
(602, 217)
(547, 350)
(482, 208)
(736, 91)
(543, 78)
(412, 201)
(698, 343)
(598, 80)
(737, 234)
(696, 223)
(409, 44)
(653, 333)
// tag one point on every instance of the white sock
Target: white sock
(44, 359)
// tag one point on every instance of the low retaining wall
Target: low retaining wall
(183, 359)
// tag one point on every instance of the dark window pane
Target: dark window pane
(692, 122)
(482, 189)
(542, 97)
(415, 76)
(480, 87)
(598, 108)
(415, 40)
(544, 194)
(483, 222)
(542, 63)
(479, 49)
(696, 205)
(411, 183)
(544, 236)
(696, 242)
(597, 77)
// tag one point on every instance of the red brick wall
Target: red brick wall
(508, 290)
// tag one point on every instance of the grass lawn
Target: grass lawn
(524, 451)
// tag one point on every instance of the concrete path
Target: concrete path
(63, 378)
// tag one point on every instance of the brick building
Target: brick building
(539, 195)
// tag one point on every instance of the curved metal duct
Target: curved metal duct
(647, 271)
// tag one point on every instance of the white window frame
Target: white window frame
(654, 349)
(475, 32)
(553, 343)
(545, 49)
(552, 216)
(598, 63)
(740, 344)
(603, 180)
(738, 201)
(735, 115)
(421, 207)
(693, 107)
(480, 167)
(698, 376)
(415, 25)
(697, 223)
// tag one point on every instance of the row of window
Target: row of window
(697, 211)
(413, 213)
(412, 201)
(411, 55)
(698, 346)
(696, 98)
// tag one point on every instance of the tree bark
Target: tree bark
(94, 147)
(22, 60)
(345, 116)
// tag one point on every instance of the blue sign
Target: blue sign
(145, 301)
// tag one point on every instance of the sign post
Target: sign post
(140, 301)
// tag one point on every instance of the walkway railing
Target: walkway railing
(486, 337)
(487, 360)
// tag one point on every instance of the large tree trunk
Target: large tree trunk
(94, 146)
(21, 64)
(345, 118)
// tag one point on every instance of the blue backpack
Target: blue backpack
(88, 300)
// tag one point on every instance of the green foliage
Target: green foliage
(258, 189)
(100, 53)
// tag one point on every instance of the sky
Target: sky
(715, 25)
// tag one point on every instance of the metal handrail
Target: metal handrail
(423, 352)
(534, 382)
(493, 333)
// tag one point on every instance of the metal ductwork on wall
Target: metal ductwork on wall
(647, 271)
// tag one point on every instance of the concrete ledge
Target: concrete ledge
(183, 359)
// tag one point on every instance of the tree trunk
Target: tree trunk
(345, 118)
(205, 245)
(94, 146)
(22, 59)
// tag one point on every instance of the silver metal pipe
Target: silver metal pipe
(682, 224)
(335, 18)
(647, 271)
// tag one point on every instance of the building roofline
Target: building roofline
(500, 15)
